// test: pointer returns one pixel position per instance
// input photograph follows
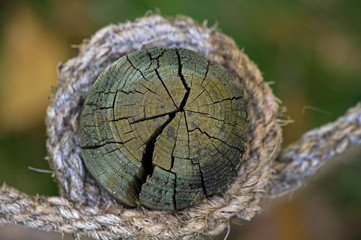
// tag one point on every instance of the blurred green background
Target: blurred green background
(309, 50)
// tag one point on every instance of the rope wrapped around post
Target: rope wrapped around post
(85, 208)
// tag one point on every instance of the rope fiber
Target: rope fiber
(84, 208)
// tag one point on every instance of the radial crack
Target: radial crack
(153, 117)
(207, 114)
(225, 99)
(188, 131)
(184, 100)
(203, 132)
(158, 75)
(147, 158)
(141, 73)
(101, 145)
(202, 180)
(172, 165)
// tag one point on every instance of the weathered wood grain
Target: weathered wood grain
(163, 128)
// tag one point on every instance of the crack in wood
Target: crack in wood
(218, 139)
(147, 159)
(101, 145)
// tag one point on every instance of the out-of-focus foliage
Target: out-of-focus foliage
(309, 50)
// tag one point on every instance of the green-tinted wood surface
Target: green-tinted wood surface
(163, 128)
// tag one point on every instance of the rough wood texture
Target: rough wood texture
(163, 127)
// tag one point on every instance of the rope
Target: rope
(305, 157)
(84, 208)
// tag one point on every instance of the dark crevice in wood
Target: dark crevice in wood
(130, 92)
(218, 139)
(171, 168)
(205, 75)
(147, 158)
(101, 145)
(197, 96)
(174, 189)
(185, 98)
(121, 118)
(141, 73)
(208, 116)
(226, 99)
(201, 174)
(224, 155)
(185, 120)
(202, 181)
(170, 96)
(150, 90)
(153, 117)
(158, 75)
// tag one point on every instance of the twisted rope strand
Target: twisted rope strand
(305, 157)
